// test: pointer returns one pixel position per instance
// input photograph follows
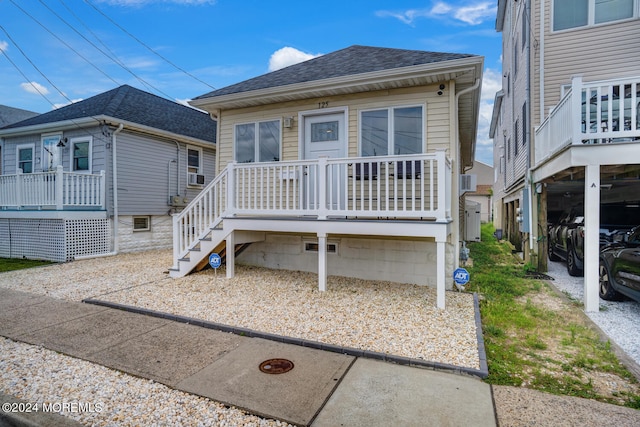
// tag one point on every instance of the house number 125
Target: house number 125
(323, 104)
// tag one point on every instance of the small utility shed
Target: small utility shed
(101, 175)
(346, 164)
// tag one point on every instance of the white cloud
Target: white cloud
(288, 56)
(34, 87)
(64, 104)
(472, 14)
(4, 46)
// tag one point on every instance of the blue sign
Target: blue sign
(215, 261)
(460, 276)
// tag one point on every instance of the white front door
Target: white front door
(325, 136)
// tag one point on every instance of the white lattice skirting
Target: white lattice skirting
(57, 240)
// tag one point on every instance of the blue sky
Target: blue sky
(59, 51)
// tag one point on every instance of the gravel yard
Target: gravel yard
(618, 319)
(379, 316)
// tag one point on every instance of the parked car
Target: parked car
(566, 236)
(566, 241)
(620, 268)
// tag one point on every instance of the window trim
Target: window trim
(72, 143)
(390, 126)
(256, 141)
(147, 219)
(591, 17)
(33, 156)
(200, 168)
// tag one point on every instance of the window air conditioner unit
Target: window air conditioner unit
(196, 179)
(468, 183)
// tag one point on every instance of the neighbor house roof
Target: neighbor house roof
(133, 106)
(10, 115)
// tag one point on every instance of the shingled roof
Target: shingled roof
(10, 115)
(132, 105)
(350, 61)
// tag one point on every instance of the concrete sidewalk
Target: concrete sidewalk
(322, 389)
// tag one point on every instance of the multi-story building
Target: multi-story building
(565, 124)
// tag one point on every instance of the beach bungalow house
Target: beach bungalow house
(346, 164)
(102, 175)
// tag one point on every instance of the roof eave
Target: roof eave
(440, 71)
(95, 120)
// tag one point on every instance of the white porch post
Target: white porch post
(576, 110)
(231, 255)
(231, 190)
(321, 188)
(322, 262)
(591, 237)
(440, 274)
(59, 188)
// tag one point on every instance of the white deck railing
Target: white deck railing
(591, 113)
(57, 190)
(403, 187)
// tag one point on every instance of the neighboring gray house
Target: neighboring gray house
(102, 175)
(9, 115)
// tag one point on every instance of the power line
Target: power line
(114, 59)
(146, 46)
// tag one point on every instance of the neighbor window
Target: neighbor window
(579, 13)
(392, 131)
(81, 154)
(25, 158)
(194, 160)
(257, 142)
(141, 223)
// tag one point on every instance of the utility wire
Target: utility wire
(63, 42)
(146, 46)
(34, 66)
(112, 58)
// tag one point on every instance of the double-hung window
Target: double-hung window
(24, 154)
(257, 142)
(81, 154)
(391, 131)
(579, 13)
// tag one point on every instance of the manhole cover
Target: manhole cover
(276, 366)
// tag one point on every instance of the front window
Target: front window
(580, 13)
(397, 130)
(257, 142)
(25, 158)
(51, 155)
(81, 155)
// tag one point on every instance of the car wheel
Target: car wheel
(606, 290)
(552, 255)
(572, 268)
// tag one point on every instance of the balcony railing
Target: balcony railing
(57, 190)
(591, 113)
(390, 187)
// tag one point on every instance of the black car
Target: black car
(620, 268)
(566, 241)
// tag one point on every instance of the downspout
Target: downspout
(114, 173)
(531, 145)
(459, 160)
(177, 168)
(541, 66)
